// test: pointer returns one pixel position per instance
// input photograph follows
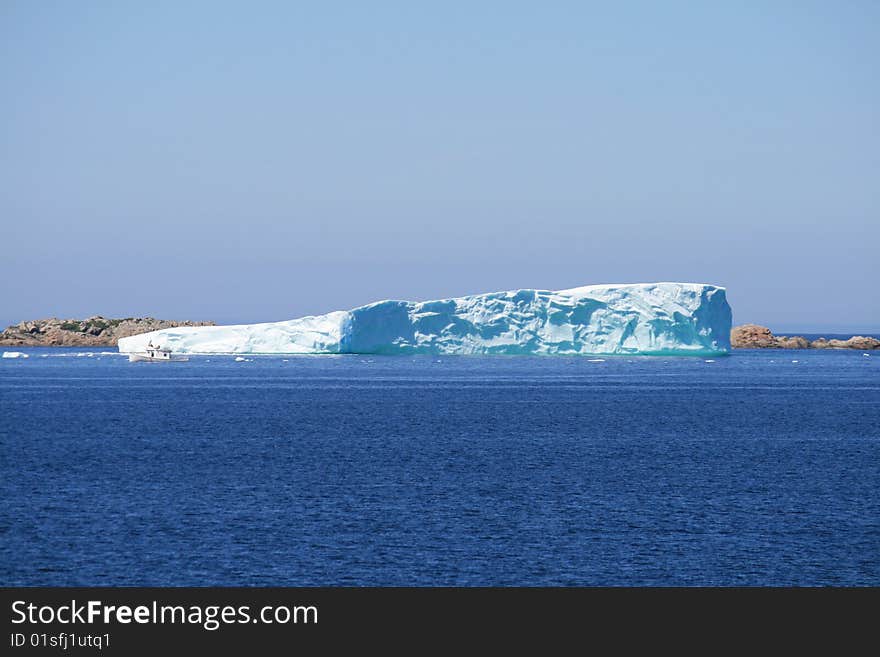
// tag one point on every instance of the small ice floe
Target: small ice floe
(239, 359)
(866, 355)
(709, 361)
(285, 360)
(596, 360)
(14, 354)
(795, 361)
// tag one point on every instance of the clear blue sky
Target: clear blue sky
(258, 161)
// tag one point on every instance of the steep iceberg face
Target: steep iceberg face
(645, 318)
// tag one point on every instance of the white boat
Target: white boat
(154, 354)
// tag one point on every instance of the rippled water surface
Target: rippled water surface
(759, 468)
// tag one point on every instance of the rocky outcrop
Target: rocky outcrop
(95, 331)
(855, 342)
(753, 336)
(792, 342)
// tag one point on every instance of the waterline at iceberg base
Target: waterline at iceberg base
(688, 319)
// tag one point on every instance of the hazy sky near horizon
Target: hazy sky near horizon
(258, 161)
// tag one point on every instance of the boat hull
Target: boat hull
(144, 358)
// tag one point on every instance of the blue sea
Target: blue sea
(761, 468)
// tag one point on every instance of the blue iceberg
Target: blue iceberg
(645, 318)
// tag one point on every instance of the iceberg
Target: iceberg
(661, 319)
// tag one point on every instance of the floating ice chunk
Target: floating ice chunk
(14, 354)
(596, 360)
(638, 319)
(710, 361)
(239, 359)
(795, 361)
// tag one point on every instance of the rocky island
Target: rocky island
(753, 336)
(96, 331)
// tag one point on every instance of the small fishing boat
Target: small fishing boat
(154, 354)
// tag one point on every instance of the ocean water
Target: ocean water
(758, 468)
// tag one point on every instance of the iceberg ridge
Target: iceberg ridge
(645, 318)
